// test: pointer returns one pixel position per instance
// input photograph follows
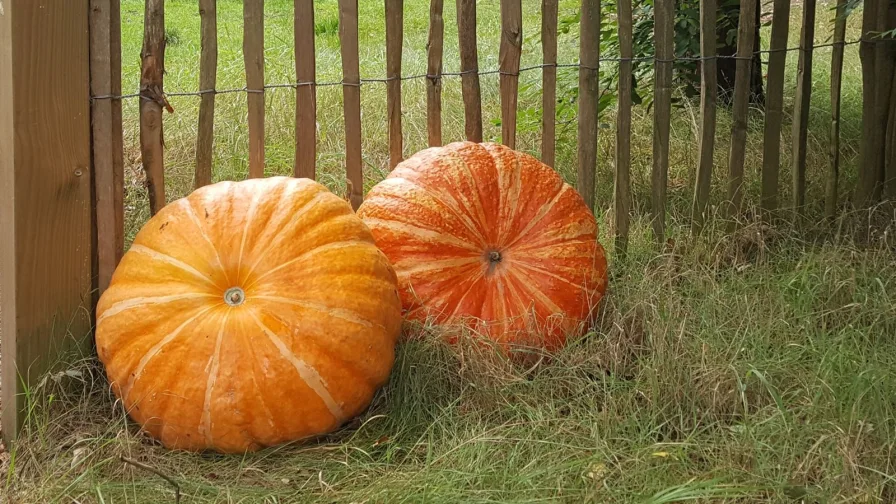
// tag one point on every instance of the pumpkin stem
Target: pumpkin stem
(494, 256)
(234, 296)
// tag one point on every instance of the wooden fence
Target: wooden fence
(106, 112)
(153, 102)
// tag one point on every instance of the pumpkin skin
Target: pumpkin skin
(247, 315)
(491, 239)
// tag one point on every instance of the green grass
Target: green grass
(749, 367)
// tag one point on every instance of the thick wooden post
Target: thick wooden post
(589, 57)
(708, 96)
(45, 190)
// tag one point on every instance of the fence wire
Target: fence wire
(437, 77)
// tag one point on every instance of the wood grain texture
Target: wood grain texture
(253, 58)
(104, 180)
(549, 82)
(45, 189)
(664, 40)
(351, 95)
(394, 37)
(589, 58)
(832, 180)
(306, 95)
(434, 49)
(469, 66)
(152, 100)
(708, 97)
(509, 64)
(208, 68)
(889, 189)
(622, 196)
(801, 101)
(774, 106)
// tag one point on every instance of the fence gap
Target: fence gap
(708, 96)
(394, 37)
(509, 64)
(774, 106)
(622, 196)
(830, 198)
(746, 27)
(469, 67)
(208, 69)
(152, 99)
(664, 22)
(549, 81)
(306, 91)
(589, 59)
(801, 100)
(434, 74)
(253, 57)
(351, 96)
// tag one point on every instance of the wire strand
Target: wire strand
(436, 78)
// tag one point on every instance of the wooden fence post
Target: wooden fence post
(589, 58)
(253, 57)
(434, 74)
(664, 16)
(549, 81)
(351, 96)
(394, 38)
(509, 57)
(830, 198)
(708, 95)
(802, 99)
(622, 195)
(208, 68)
(45, 190)
(774, 107)
(469, 67)
(746, 30)
(306, 93)
(108, 176)
(152, 100)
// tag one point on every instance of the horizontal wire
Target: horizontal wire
(436, 78)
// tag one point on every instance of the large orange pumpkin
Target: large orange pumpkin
(486, 237)
(249, 314)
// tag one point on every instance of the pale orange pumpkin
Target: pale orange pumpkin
(249, 314)
(485, 237)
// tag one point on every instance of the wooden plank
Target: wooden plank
(830, 198)
(152, 99)
(101, 121)
(746, 30)
(469, 67)
(664, 40)
(801, 101)
(306, 94)
(394, 37)
(253, 57)
(708, 97)
(208, 69)
(46, 226)
(434, 72)
(589, 59)
(351, 95)
(509, 64)
(774, 106)
(622, 196)
(549, 81)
